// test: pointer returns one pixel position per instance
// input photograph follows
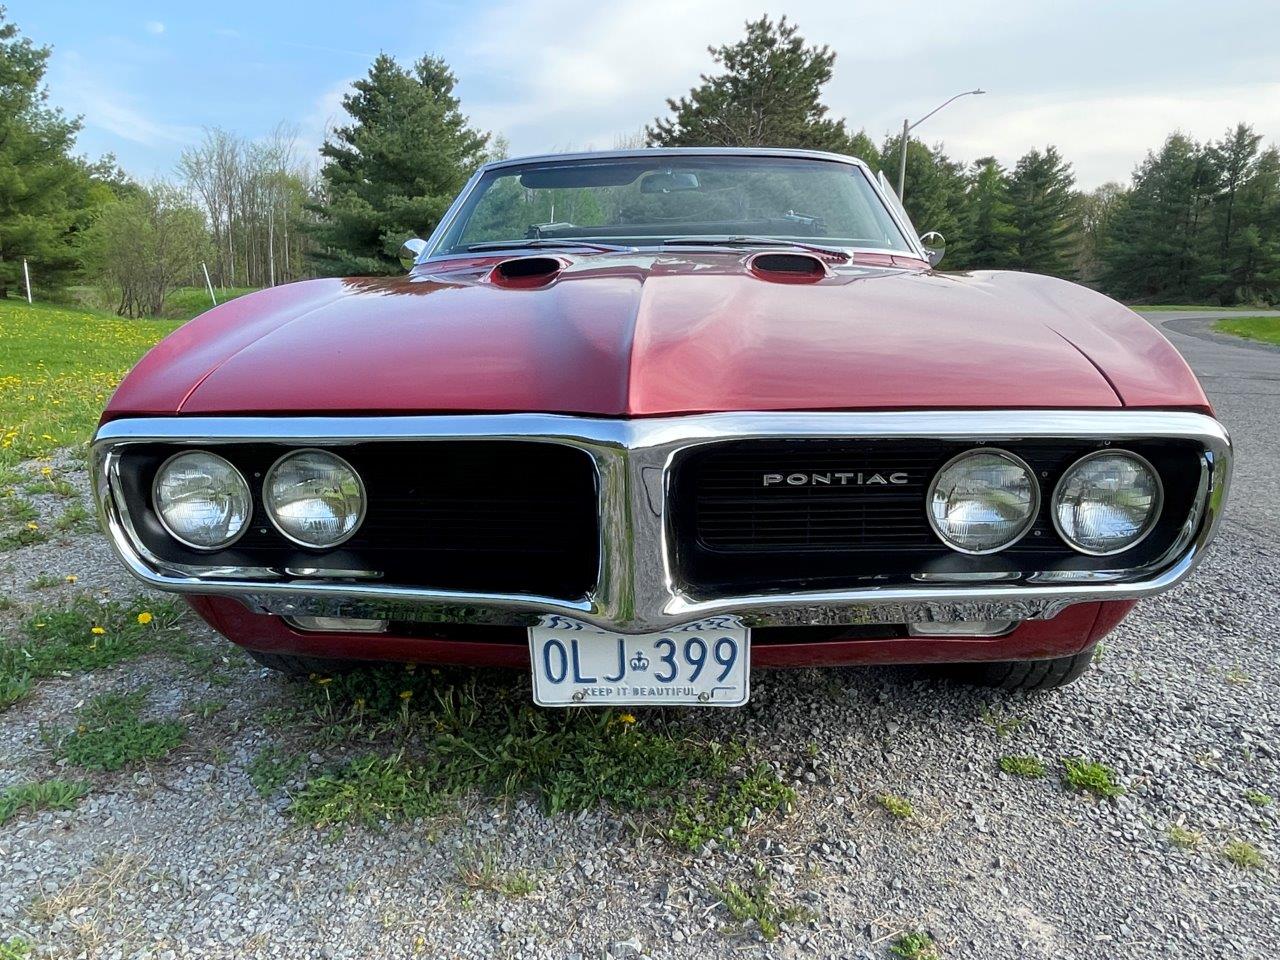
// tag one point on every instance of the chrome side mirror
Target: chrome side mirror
(934, 247)
(410, 251)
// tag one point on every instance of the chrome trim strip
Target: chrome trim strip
(639, 588)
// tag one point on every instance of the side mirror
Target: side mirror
(410, 251)
(934, 247)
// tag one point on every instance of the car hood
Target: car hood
(636, 335)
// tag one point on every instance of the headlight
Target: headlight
(202, 500)
(314, 498)
(983, 501)
(1107, 502)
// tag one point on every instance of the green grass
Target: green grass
(1023, 766)
(187, 302)
(479, 869)
(916, 945)
(455, 740)
(111, 734)
(1257, 798)
(39, 795)
(1243, 854)
(1158, 307)
(756, 902)
(1184, 838)
(58, 367)
(15, 948)
(84, 634)
(1087, 775)
(269, 770)
(1264, 329)
(899, 808)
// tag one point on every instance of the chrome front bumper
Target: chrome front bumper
(639, 588)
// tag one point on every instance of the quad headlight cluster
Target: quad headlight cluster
(312, 497)
(987, 499)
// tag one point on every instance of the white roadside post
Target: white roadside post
(208, 283)
(26, 275)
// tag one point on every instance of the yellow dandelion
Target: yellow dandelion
(46, 471)
(145, 617)
(32, 525)
(324, 681)
(406, 694)
(71, 578)
(627, 718)
(98, 631)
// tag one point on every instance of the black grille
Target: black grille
(852, 512)
(501, 516)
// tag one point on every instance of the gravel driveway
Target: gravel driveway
(186, 855)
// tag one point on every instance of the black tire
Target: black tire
(301, 668)
(1025, 674)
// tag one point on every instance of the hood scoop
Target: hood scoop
(520, 272)
(788, 267)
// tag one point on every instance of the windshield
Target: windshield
(644, 201)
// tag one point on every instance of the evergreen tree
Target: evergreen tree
(46, 195)
(393, 171)
(1040, 190)
(769, 95)
(935, 196)
(1155, 249)
(987, 233)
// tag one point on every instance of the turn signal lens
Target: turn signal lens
(983, 501)
(202, 500)
(314, 498)
(1107, 502)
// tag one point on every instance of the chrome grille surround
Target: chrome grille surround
(639, 587)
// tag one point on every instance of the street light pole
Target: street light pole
(907, 127)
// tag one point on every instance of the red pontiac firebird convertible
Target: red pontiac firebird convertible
(641, 421)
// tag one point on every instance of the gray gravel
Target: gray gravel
(183, 858)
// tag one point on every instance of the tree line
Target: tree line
(1199, 222)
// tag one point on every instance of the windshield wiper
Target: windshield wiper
(745, 241)
(547, 242)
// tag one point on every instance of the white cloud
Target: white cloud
(154, 27)
(83, 91)
(1104, 137)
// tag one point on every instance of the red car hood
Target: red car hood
(634, 335)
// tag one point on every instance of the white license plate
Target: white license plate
(706, 663)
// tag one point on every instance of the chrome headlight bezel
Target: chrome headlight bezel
(155, 501)
(270, 508)
(1152, 521)
(1032, 514)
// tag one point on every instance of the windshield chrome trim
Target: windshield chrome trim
(640, 588)
(908, 233)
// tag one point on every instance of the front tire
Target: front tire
(1029, 675)
(301, 668)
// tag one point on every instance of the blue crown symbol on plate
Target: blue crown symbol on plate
(639, 661)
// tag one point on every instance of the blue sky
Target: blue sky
(1104, 81)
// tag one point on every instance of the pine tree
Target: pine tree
(46, 195)
(393, 171)
(987, 233)
(1040, 190)
(769, 95)
(935, 196)
(1155, 246)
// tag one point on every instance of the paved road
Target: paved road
(1242, 379)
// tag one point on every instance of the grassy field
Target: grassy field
(181, 304)
(1266, 329)
(1159, 307)
(58, 367)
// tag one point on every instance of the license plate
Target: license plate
(706, 663)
